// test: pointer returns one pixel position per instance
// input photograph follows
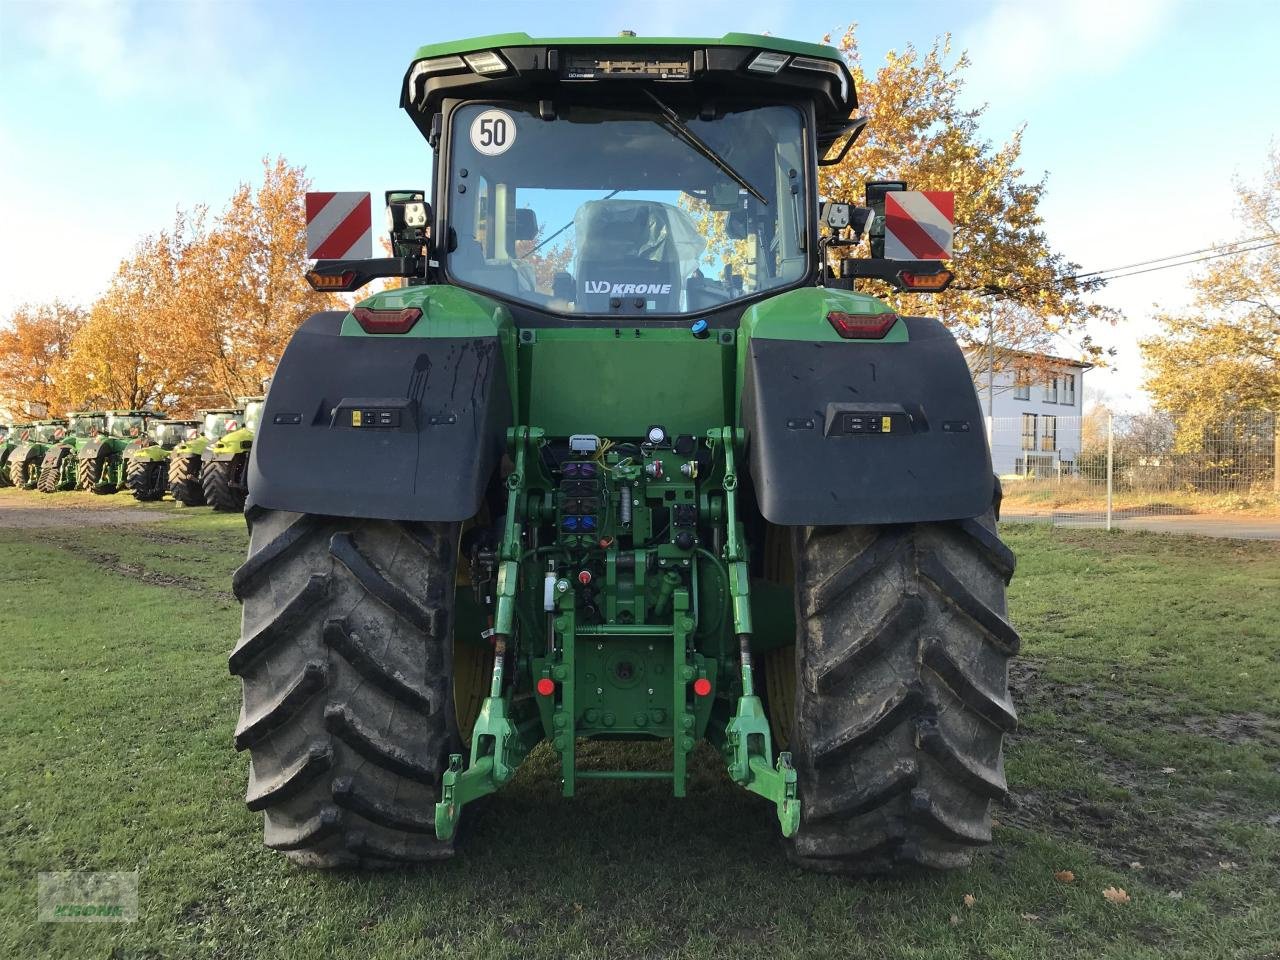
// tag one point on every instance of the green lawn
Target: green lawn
(1149, 759)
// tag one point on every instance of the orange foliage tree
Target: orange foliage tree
(34, 346)
(249, 294)
(1008, 276)
(133, 352)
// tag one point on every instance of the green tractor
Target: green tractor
(27, 456)
(9, 435)
(58, 469)
(147, 467)
(101, 461)
(626, 459)
(186, 461)
(224, 466)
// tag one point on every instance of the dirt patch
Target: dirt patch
(155, 578)
(1171, 845)
(54, 515)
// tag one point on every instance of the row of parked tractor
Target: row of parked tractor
(197, 462)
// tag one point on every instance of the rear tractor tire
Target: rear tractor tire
(108, 470)
(51, 474)
(147, 479)
(902, 698)
(184, 481)
(345, 658)
(18, 474)
(87, 471)
(216, 481)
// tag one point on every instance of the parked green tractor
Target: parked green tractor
(626, 460)
(58, 469)
(101, 461)
(187, 458)
(224, 467)
(12, 433)
(26, 457)
(147, 466)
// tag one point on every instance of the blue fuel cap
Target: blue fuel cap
(700, 329)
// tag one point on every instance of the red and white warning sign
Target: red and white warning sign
(918, 224)
(339, 226)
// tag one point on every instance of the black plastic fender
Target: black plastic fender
(433, 416)
(91, 449)
(865, 432)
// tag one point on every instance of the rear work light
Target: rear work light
(857, 326)
(386, 321)
(486, 62)
(768, 61)
(331, 281)
(925, 282)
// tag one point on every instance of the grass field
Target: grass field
(1090, 496)
(1148, 760)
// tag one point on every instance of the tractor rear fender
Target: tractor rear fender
(393, 426)
(22, 453)
(93, 448)
(864, 431)
(152, 454)
(230, 446)
(52, 454)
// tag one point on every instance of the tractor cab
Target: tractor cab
(49, 431)
(218, 423)
(129, 424)
(167, 434)
(86, 424)
(627, 177)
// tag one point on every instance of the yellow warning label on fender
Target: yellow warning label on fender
(355, 418)
(886, 424)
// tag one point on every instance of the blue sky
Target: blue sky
(114, 113)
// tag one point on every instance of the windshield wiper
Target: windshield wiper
(681, 129)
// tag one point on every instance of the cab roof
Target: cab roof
(754, 40)
(694, 71)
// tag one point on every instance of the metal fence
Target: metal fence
(1100, 469)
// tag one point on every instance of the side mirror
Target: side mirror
(876, 189)
(526, 224)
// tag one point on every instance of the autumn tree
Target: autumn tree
(133, 352)
(34, 345)
(1008, 276)
(1222, 355)
(252, 294)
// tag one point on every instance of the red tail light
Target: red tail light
(546, 687)
(386, 321)
(859, 326)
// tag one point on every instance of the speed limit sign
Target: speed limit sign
(493, 132)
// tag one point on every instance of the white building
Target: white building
(1036, 411)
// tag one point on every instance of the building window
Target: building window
(1021, 386)
(1051, 390)
(1069, 389)
(1049, 433)
(1028, 431)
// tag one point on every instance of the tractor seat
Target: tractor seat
(633, 256)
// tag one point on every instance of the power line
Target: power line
(1110, 273)
(1174, 256)
(1186, 263)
